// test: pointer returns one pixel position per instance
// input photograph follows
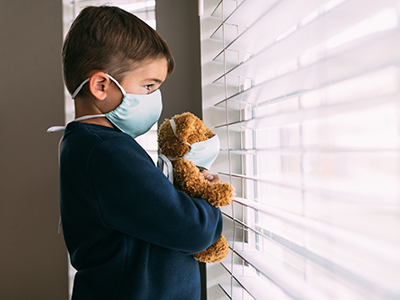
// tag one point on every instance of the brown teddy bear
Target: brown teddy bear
(190, 147)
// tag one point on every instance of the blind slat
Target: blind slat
(276, 89)
(250, 282)
(237, 14)
(361, 54)
(235, 292)
(297, 150)
(333, 232)
(388, 202)
(308, 114)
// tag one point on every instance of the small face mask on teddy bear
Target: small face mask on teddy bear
(202, 154)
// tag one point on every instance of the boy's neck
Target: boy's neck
(98, 121)
(85, 107)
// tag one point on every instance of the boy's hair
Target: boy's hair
(111, 40)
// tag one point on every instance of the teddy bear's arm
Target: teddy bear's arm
(218, 194)
(189, 179)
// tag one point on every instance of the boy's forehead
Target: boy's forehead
(150, 69)
(159, 64)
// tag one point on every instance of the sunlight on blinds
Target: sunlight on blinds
(304, 96)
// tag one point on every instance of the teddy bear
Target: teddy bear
(189, 147)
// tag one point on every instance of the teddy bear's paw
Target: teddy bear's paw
(219, 194)
(215, 253)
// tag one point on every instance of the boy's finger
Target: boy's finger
(207, 176)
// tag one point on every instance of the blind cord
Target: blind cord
(228, 144)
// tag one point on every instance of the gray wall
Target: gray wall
(178, 23)
(33, 260)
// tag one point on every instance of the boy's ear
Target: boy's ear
(98, 85)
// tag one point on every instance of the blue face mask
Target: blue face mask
(202, 154)
(135, 115)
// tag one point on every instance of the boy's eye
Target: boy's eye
(149, 87)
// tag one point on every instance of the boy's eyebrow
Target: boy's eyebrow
(156, 80)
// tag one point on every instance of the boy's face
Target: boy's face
(146, 77)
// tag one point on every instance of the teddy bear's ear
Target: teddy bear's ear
(185, 125)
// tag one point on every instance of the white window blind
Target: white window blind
(304, 96)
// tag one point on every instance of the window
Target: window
(142, 9)
(304, 96)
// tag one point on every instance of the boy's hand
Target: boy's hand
(211, 178)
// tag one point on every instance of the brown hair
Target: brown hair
(109, 39)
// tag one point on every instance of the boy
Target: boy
(129, 233)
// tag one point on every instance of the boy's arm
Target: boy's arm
(134, 197)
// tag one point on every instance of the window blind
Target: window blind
(304, 96)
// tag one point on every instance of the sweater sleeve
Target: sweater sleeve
(134, 197)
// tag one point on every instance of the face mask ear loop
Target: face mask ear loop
(88, 79)
(79, 88)
(165, 165)
(59, 150)
(60, 143)
(173, 125)
(117, 83)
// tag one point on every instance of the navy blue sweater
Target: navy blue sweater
(129, 233)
